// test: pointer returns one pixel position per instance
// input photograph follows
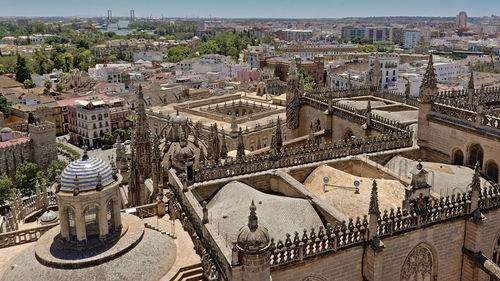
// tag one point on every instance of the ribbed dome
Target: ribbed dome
(86, 171)
(48, 217)
(178, 120)
(253, 237)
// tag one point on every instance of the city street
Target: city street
(106, 155)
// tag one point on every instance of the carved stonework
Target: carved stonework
(418, 265)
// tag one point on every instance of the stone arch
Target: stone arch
(348, 134)
(90, 217)
(475, 154)
(110, 214)
(420, 264)
(491, 169)
(495, 256)
(71, 222)
(457, 157)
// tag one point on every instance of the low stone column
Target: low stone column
(64, 217)
(102, 221)
(81, 233)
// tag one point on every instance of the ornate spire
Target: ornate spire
(374, 210)
(376, 74)
(470, 86)
(429, 80)
(293, 67)
(252, 218)
(277, 139)
(476, 182)
(240, 153)
(407, 89)
(223, 148)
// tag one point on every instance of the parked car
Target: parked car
(107, 146)
(127, 142)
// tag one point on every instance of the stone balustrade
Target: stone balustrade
(355, 232)
(23, 236)
(468, 113)
(304, 155)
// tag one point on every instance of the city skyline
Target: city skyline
(229, 9)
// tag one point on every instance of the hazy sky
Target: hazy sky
(249, 8)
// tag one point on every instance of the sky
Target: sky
(250, 8)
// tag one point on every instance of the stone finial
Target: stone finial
(223, 149)
(476, 182)
(374, 209)
(205, 213)
(85, 156)
(240, 153)
(429, 80)
(293, 67)
(407, 89)
(277, 139)
(252, 218)
(376, 73)
(98, 186)
(470, 85)
(77, 186)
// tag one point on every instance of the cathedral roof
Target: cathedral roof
(86, 171)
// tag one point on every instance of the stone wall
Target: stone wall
(345, 265)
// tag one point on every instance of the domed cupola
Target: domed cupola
(85, 174)
(252, 237)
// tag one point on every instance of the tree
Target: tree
(59, 87)
(120, 132)
(42, 64)
(31, 118)
(48, 87)
(7, 190)
(68, 62)
(308, 79)
(26, 177)
(178, 53)
(107, 138)
(5, 107)
(28, 84)
(209, 47)
(366, 48)
(22, 71)
(52, 170)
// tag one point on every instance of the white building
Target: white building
(296, 35)
(389, 64)
(208, 63)
(258, 53)
(152, 56)
(411, 38)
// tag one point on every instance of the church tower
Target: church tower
(428, 89)
(141, 154)
(293, 97)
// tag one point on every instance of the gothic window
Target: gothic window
(492, 170)
(458, 157)
(418, 265)
(475, 155)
